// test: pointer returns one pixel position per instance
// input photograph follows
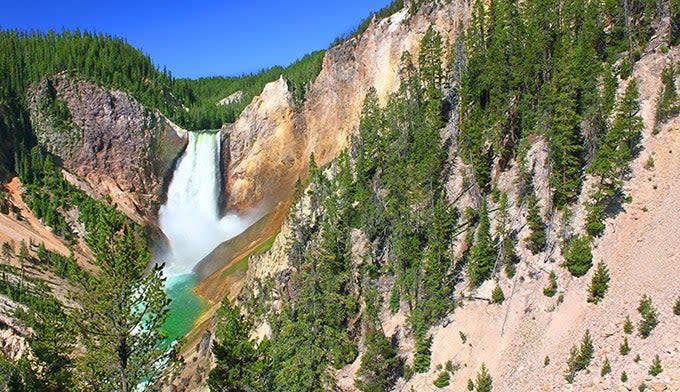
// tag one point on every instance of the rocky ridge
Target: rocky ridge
(111, 141)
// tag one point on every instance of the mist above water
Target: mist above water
(190, 217)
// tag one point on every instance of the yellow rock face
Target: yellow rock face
(268, 148)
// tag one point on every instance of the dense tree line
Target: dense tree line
(28, 57)
(535, 68)
(205, 93)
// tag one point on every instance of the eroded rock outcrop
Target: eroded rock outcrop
(267, 149)
(107, 138)
(262, 152)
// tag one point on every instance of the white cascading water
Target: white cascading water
(190, 217)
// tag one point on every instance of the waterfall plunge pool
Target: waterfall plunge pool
(185, 307)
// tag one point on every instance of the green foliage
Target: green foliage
(394, 299)
(649, 316)
(470, 385)
(656, 367)
(235, 353)
(551, 288)
(606, 367)
(380, 364)
(205, 112)
(611, 163)
(423, 351)
(626, 69)
(599, 284)
(109, 61)
(442, 379)
(50, 196)
(628, 326)
(497, 295)
(311, 333)
(537, 235)
(579, 358)
(676, 307)
(511, 89)
(578, 258)
(483, 383)
(123, 309)
(624, 377)
(624, 348)
(546, 361)
(667, 104)
(483, 254)
(566, 144)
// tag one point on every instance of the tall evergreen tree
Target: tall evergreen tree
(483, 254)
(234, 352)
(123, 310)
(380, 364)
(566, 145)
(537, 231)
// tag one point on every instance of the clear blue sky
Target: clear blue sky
(201, 37)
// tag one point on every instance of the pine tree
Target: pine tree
(483, 383)
(380, 364)
(123, 309)
(483, 253)
(442, 380)
(649, 316)
(579, 358)
(566, 146)
(578, 257)
(606, 367)
(656, 367)
(537, 234)
(234, 351)
(422, 355)
(628, 326)
(624, 348)
(667, 105)
(599, 284)
(612, 160)
(676, 307)
(497, 295)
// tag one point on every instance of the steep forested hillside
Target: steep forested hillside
(380, 234)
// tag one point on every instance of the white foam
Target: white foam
(190, 217)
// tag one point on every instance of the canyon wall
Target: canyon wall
(270, 144)
(118, 147)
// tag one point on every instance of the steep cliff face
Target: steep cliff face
(513, 339)
(263, 151)
(270, 144)
(107, 138)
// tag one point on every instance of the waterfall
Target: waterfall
(190, 217)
